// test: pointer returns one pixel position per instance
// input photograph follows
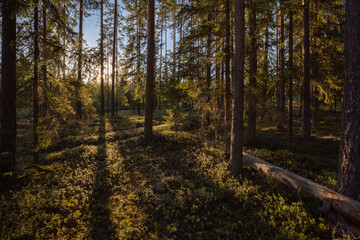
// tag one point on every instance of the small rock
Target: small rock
(159, 188)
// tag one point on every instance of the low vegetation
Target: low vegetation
(104, 185)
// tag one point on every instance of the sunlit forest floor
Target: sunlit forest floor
(102, 180)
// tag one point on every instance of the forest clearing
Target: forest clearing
(181, 119)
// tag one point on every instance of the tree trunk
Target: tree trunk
(208, 71)
(138, 59)
(306, 71)
(36, 80)
(161, 53)
(349, 158)
(238, 89)
(44, 66)
(282, 68)
(331, 199)
(114, 63)
(8, 86)
(290, 77)
(102, 108)
(79, 78)
(227, 81)
(150, 77)
(252, 74)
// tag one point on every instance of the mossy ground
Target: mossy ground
(96, 182)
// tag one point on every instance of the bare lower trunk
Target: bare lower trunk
(349, 158)
(114, 63)
(36, 81)
(290, 77)
(238, 89)
(79, 78)
(227, 82)
(102, 107)
(306, 72)
(8, 86)
(252, 75)
(150, 70)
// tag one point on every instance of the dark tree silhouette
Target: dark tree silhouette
(349, 159)
(8, 86)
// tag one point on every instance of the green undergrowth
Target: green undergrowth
(97, 182)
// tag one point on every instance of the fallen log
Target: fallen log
(343, 205)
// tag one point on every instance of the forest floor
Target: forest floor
(102, 180)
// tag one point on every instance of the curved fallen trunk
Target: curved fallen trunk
(343, 205)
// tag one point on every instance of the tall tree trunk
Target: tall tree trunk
(161, 57)
(266, 71)
(208, 71)
(44, 66)
(227, 81)
(174, 48)
(238, 89)
(102, 110)
(349, 158)
(290, 76)
(108, 86)
(138, 46)
(150, 77)
(252, 74)
(79, 78)
(114, 63)
(166, 62)
(8, 86)
(306, 71)
(36, 80)
(282, 68)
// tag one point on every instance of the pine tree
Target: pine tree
(8, 86)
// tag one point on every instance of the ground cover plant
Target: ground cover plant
(105, 181)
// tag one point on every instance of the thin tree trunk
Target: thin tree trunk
(282, 68)
(150, 76)
(102, 110)
(208, 71)
(8, 86)
(44, 66)
(138, 42)
(349, 158)
(79, 78)
(174, 47)
(227, 81)
(306, 71)
(238, 89)
(252, 74)
(114, 63)
(36, 80)
(161, 47)
(290, 77)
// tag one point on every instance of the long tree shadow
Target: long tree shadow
(102, 227)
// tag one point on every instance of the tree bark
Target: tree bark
(290, 76)
(282, 68)
(252, 74)
(227, 81)
(79, 78)
(349, 158)
(114, 63)
(8, 86)
(306, 71)
(36, 80)
(102, 108)
(208, 71)
(44, 66)
(161, 57)
(238, 89)
(150, 77)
